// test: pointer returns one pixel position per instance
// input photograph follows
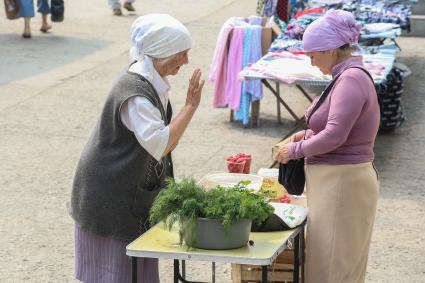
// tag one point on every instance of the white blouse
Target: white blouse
(141, 117)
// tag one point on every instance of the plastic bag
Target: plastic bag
(293, 215)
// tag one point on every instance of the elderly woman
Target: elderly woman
(125, 161)
(342, 184)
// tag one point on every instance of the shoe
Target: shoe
(129, 7)
(26, 35)
(45, 29)
(117, 12)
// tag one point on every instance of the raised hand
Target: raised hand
(194, 90)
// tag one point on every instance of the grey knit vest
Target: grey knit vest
(116, 179)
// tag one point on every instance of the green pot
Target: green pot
(209, 234)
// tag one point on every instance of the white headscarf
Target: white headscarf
(157, 36)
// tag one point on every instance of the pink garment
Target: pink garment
(335, 29)
(218, 71)
(375, 69)
(344, 127)
(234, 66)
(262, 67)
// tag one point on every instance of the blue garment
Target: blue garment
(251, 89)
(256, 20)
(43, 6)
(27, 8)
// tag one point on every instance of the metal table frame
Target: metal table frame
(297, 236)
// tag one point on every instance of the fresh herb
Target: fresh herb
(183, 202)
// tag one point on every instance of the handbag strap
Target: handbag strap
(327, 90)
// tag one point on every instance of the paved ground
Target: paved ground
(52, 88)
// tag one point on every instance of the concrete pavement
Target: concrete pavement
(52, 88)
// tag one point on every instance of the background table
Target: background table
(158, 242)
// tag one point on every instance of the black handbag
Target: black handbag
(291, 174)
(57, 10)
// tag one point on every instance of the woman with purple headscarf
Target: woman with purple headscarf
(341, 180)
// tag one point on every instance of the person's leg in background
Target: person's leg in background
(44, 9)
(128, 5)
(26, 12)
(115, 6)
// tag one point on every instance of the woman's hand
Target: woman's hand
(180, 122)
(194, 90)
(283, 154)
(297, 136)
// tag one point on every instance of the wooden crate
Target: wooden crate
(280, 271)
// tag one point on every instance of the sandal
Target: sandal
(129, 7)
(45, 29)
(117, 12)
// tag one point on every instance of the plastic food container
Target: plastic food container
(231, 179)
(236, 166)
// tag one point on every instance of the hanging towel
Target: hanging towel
(251, 89)
(245, 101)
(234, 66)
(255, 20)
(218, 70)
(254, 87)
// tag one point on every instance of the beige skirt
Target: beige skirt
(342, 202)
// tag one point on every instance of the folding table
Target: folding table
(158, 242)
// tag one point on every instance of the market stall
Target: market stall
(382, 24)
(241, 219)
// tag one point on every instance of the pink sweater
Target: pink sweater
(343, 129)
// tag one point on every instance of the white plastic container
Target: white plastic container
(231, 179)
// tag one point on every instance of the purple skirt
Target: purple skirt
(103, 260)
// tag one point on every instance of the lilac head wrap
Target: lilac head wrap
(335, 29)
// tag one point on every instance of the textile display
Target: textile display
(284, 66)
(380, 20)
(381, 11)
(269, 8)
(251, 89)
(292, 33)
(238, 45)
(390, 92)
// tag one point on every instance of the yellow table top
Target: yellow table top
(158, 242)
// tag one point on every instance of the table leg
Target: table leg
(304, 92)
(184, 268)
(213, 272)
(264, 274)
(178, 277)
(275, 93)
(296, 259)
(134, 269)
(176, 271)
(302, 247)
(279, 116)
